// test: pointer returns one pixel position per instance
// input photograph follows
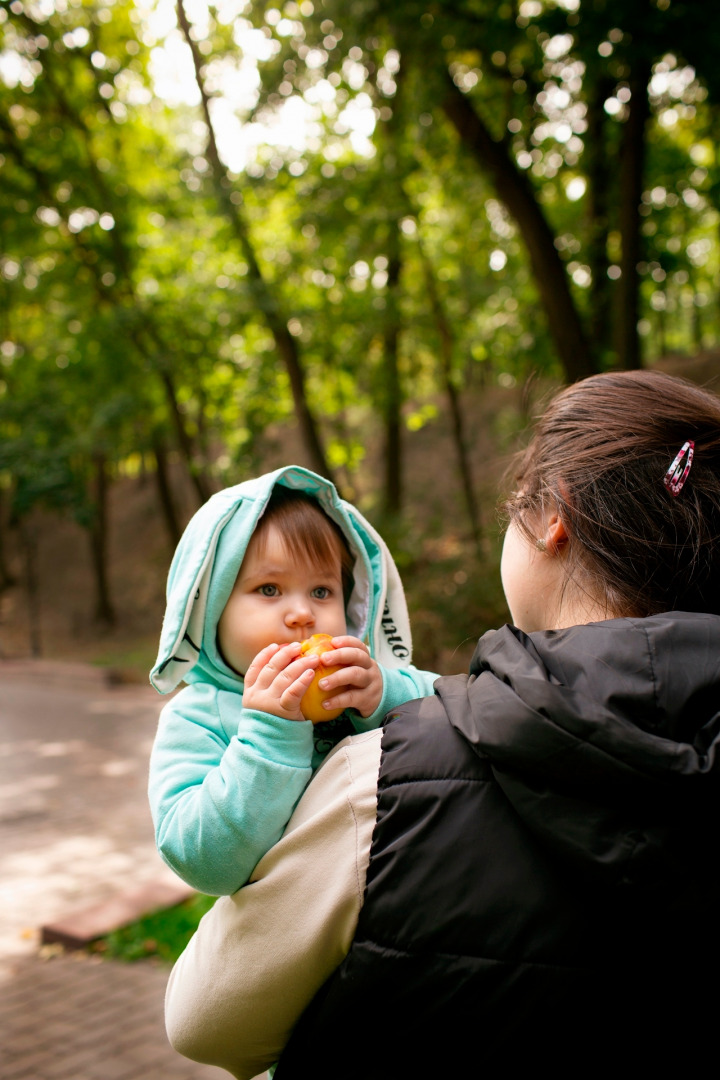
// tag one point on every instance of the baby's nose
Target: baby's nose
(300, 615)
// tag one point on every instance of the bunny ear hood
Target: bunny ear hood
(208, 559)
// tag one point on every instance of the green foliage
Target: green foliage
(163, 934)
(142, 281)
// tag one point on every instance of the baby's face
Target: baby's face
(278, 598)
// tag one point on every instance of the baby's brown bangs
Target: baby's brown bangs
(306, 533)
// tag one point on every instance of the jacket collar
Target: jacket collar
(604, 737)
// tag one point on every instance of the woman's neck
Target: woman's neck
(577, 607)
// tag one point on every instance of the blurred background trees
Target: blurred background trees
(325, 227)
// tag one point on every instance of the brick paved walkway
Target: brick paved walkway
(75, 830)
(80, 1018)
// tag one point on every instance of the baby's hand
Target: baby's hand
(359, 679)
(277, 679)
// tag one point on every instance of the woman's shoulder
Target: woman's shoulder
(420, 741)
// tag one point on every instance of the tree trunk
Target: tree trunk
(28, 537)
(697, 327)
(457, 423)
(391, 391)
(597, 160)
(104, 611)
(164, 490)
(391, 387)
(632, 165)
(662, 347)
(513, 188)
(197, 476)
(267, 302)
(6, 578)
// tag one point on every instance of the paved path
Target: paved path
(75, 830)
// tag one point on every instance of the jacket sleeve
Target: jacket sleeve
(260, 956)
(399, 685)
(218, 802)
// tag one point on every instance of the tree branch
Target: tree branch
(513, 189)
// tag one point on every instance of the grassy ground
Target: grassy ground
(163, 935)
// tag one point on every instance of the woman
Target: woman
(524, 872)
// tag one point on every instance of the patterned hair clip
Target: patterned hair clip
(677, 474)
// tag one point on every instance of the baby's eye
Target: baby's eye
(321, 593)
(268, 590)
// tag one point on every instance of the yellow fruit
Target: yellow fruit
(311, 705)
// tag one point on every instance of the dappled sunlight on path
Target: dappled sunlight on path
(75, 830)
(74, 824)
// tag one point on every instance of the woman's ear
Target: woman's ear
(556, 537)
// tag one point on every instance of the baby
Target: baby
(261, 567)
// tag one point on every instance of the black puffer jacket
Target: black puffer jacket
(545, 870)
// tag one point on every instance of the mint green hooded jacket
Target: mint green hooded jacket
(224, 780)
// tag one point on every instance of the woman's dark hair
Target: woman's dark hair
(307, 532)
(598, 456)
